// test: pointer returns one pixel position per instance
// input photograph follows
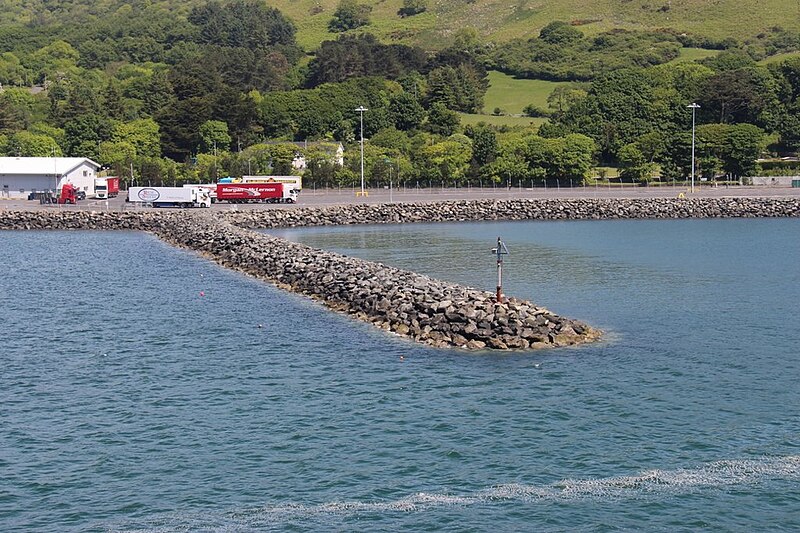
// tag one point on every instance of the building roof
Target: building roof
(335, 145)
(42, 165)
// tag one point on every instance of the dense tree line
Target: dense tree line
(233, 64)
(638, 117)
(362, 55)
(561, 52)
(224, 88)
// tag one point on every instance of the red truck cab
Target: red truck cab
(69, 194)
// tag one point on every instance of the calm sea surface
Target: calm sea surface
(143, 388)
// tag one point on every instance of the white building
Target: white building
(333, 150)
(19, 176)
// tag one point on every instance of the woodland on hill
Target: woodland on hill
(211, 88)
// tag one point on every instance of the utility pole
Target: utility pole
(55, 169)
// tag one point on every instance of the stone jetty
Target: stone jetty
(430, 311)
(427, 310)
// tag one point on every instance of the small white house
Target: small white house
(334, 151)
(19, 176)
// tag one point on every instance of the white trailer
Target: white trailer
(170, 196)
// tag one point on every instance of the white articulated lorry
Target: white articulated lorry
(210, 187)
(170, 196)
(106, 187)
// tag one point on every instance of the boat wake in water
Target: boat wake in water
(648, 484)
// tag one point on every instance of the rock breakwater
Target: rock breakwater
(411, 305)
(518, 209)
(426, 310)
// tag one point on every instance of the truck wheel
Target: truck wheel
(289, 201)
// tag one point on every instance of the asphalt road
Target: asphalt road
(325, 197)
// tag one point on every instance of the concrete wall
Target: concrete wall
(772, 181)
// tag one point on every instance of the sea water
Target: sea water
(143, 388)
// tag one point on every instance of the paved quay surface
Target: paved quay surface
(329, 197)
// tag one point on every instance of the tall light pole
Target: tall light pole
(361, 110)
(694, 107)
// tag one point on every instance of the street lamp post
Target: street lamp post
(361, 110)
(694, 107)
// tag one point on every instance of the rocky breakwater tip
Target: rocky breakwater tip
(411, 305)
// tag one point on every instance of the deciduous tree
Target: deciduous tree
(214, 137)
(441, 120)
(349, 15)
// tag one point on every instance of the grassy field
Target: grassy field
(501, 20)
(511, 95)
(501, 120)
(777, 58)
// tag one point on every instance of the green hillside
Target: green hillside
(501, 20)
(184, 90)
(494, 20)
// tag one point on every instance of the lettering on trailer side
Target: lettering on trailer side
(148, 195)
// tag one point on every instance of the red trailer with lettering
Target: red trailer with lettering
(238, 193)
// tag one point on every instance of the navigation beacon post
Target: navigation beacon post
(501, 250)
